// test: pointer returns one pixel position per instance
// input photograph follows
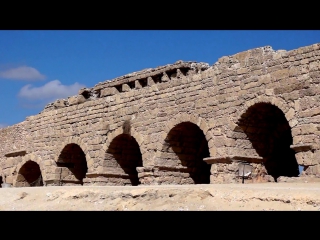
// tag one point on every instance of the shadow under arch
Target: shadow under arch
(124, 152)
(29, 175)
(269, 132)
(1, 178)
(186, 146)
(73, 163)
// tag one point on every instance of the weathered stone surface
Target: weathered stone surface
(108, 91)
(76, 100)
(157, 125)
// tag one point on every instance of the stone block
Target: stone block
(305, 158)
(108, 91)
(76, 100)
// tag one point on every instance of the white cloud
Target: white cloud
(22, 73)
(50, 91)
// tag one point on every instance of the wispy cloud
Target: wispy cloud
(22, 73)
(49, 92)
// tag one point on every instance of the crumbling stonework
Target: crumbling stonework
(183, 123)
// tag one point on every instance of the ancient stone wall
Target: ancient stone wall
(181, 123)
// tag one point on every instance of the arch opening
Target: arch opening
(73, 164)
(124, 152)
(184, 149)
(29, 175)
(269, 132)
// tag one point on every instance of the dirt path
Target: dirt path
(264, 196)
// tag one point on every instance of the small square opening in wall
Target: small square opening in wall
(119, 88)
(143, 82)
(157, 79)
(131, 85)
(184, 71)
(172, 74)
(86, 94)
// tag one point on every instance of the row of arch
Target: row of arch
(185, 146)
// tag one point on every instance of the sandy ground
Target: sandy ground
(209, 197)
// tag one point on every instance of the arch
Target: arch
(288, 111)
(136, 135)
(264, 128)
(29, 175)
(182, 153)
(122, 158)
(73, 164)
(185, 117)
(29, 157)
(75, 140)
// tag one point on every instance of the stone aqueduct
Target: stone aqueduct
(183, 123)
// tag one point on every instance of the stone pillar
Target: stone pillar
(226, 169)
(146, 175)
(308, 158)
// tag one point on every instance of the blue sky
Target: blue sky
(37, 67)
